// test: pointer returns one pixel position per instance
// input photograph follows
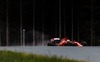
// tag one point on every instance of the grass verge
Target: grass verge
(8, 56)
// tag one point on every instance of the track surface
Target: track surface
(91, 54)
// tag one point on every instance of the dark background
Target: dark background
(44, 16)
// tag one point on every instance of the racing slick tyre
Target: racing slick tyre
(51, 44)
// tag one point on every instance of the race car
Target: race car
(63, 42)
(53, 42)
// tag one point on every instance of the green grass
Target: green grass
(8, 56)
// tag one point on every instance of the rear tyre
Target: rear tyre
(51, 44)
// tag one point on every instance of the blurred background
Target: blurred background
(35, 22)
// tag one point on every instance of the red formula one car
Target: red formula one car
(63, 42)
